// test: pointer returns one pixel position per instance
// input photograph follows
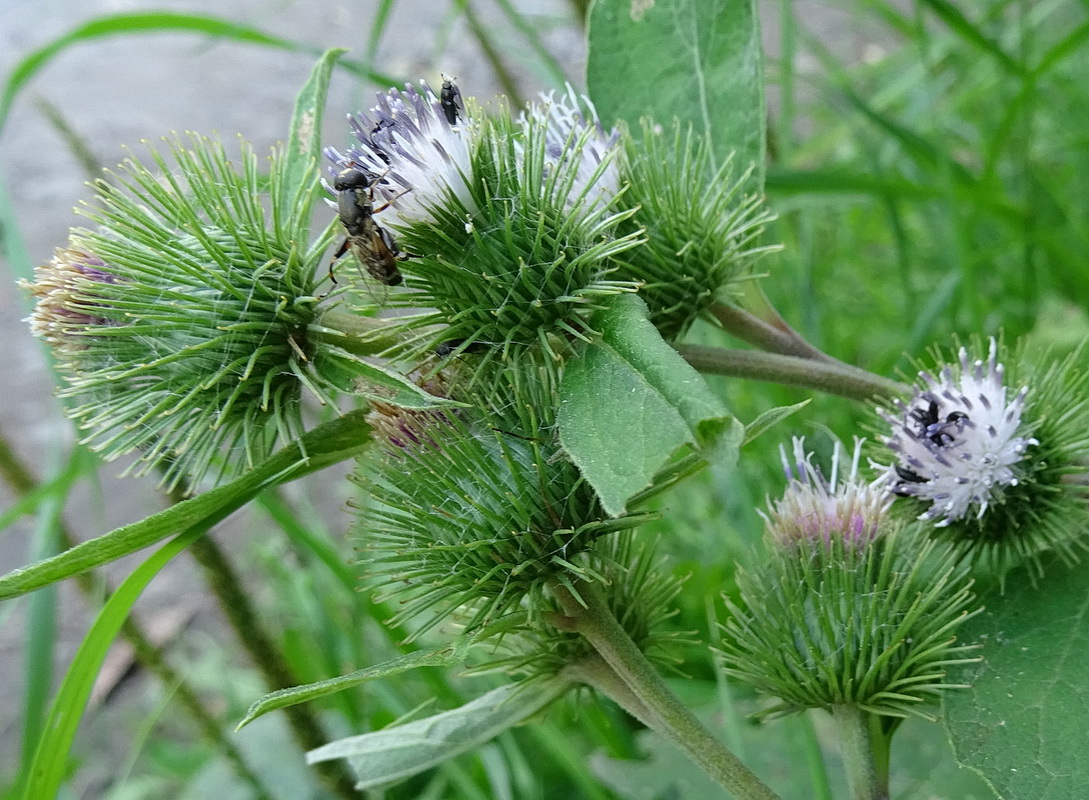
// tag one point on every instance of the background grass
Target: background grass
(930, 183)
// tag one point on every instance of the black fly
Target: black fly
(450, 100)
(372, 245)
(932, 427)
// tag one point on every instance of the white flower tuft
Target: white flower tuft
(418, 158)
(574, 138)
(958, 441)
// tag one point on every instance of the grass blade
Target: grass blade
(325, 445)
(50, 763)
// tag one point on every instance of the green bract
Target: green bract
(181, 320)
(701, 229)
(471, 510)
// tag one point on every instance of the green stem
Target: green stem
(833, 378)
(774, 337)
(589, 614)
(865, 752)
(594, 671)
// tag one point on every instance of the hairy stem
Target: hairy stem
(774, 337)
(833, 378)
(589, 614)
(865, 753)
(594, 671)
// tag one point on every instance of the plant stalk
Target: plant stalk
(865, 752)
(833, 378)
(267, 658)
(594, 671)
(589, 614)
(774, 337)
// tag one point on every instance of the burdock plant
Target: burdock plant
(186, 320)
(526, 278)
(992, 452)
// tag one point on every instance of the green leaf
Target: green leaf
(695, 60)
(769, 418)
(51, 757)
(304, 144)
(630, 402)
(327, 444)
(1029, 696)
(453, 653)
(396, 753)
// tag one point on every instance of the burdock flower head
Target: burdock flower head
(505, 226)
(847, 608)
(814, 510)
(991, 457)
(701, 224)
(185, 321)
(417, 147)
(472, 512)
(576, 143)
(70, 301)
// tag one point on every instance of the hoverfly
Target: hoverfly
(372, 245)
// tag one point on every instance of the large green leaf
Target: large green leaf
(1028, 705)
(325, 445)
(698, 61)
(396, 753)
(630, 402)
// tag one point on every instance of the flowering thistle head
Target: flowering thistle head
(576, 143)
(505, 225)
(182, 320)
(814, 509)
(419, 156)
(849, 608)
(991, 457)
(700, 225)
(69, 306)
(469, 512)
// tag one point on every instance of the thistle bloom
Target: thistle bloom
(960, 442)
(816, 509)
(847, 609)
(1000, 477)
(575, 142)
(420, 158)
(507, 221)
(185, 321)
(69, 299)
